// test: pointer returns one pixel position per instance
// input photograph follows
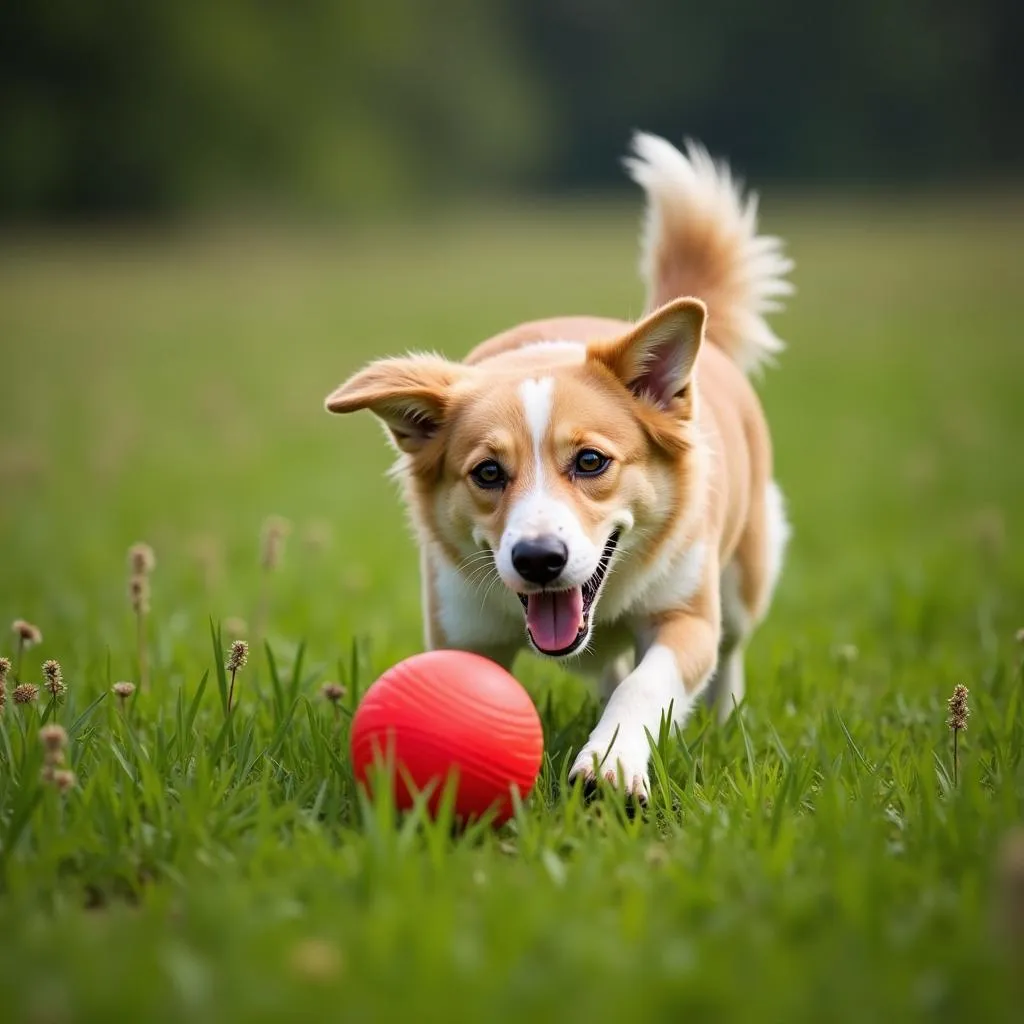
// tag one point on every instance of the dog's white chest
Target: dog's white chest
(476, 609)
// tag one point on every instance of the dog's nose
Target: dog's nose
(540, 560)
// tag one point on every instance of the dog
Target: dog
(602, 490)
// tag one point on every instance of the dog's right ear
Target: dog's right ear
(411, 396)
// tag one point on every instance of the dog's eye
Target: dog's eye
(489, 475)
(590, 463)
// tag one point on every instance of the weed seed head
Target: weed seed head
(54, 738)
(138, 594)
(123, 690)
(28, 634)
(332, 692)
(141, 559)
(238, 655)
(54, 678)
(63, 779)
(958, 709)
(26, 693)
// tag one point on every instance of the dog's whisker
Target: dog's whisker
(481, 575)
(479, 571)
(479, 553)
(472, 570)
(482, 580)
(494, 580)
(476, 556)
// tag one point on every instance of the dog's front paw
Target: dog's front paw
(626, 759)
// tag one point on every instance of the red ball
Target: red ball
(450, 710)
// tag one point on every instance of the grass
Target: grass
(811, 860)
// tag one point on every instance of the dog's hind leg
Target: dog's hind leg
(727, 687)
(726, 691)
(746, 588)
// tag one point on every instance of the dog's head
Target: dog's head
(554, 458)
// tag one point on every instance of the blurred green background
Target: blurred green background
(343, 106)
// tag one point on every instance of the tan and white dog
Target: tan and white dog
(603, 490)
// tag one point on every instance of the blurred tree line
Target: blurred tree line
(154, 107)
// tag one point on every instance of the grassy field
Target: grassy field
(809, 861)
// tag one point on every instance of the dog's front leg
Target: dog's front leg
(664, 685)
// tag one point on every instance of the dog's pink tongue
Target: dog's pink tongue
(555, 618)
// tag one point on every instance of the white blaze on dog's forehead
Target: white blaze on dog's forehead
(531, 513)
(537, 398)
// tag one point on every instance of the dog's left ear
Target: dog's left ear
(411, 396)
(655, 360)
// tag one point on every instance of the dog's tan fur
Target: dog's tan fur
(688, 489)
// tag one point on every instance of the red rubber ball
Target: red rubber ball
(450, 710)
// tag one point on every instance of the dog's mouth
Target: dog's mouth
(558, 621)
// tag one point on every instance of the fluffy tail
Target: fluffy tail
(700, 239)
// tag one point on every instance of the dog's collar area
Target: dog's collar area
(591, 589)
